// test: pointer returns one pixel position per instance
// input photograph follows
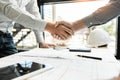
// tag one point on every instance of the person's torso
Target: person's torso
(6, 23)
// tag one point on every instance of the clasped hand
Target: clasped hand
(59, 30)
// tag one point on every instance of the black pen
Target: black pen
(90, 57)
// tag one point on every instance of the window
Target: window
(74, 11)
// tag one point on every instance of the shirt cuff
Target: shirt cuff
(87, 21)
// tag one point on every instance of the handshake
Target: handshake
(63, 30)
(60, 30)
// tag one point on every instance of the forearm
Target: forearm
(78, 25)
(103, 14)
(14, 13)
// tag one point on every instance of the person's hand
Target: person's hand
(46, 45)
(61, 32)
(75, 26)
(116, 78)
(65, 26)
(65, 23)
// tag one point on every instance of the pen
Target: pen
(90, 57)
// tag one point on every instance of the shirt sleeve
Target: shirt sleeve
(103, 14)
(32, 8)
(39, 36)
(14, 13)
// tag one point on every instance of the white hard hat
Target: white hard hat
(98, 37)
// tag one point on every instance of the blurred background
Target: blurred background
(25, 38)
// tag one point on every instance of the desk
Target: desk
(70, 67)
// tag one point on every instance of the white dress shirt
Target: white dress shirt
(24, 12)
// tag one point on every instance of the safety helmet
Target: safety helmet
(98, 37)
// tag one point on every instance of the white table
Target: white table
(69, 67)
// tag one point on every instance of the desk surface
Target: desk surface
(69, 66)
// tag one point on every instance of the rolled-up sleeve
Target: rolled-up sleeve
(24, 18)
(103, 14)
